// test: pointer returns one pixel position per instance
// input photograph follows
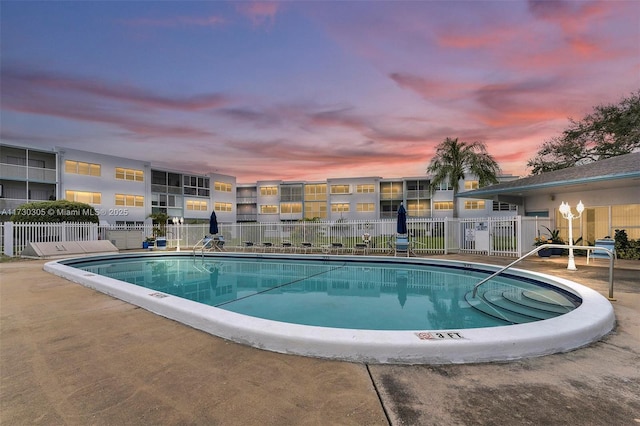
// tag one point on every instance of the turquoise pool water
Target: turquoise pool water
(342, 294)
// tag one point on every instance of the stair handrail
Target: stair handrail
(206, 241)
(610, 253)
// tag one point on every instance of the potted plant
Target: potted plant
(545, 252)
(160, 229)
(148, 243)
(554, 237)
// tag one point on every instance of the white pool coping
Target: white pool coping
(592, 320)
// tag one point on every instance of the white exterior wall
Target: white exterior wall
(107, 184)
(271, 200)
(223, 197)
(353, 198)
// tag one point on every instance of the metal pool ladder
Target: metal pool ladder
(610, 253)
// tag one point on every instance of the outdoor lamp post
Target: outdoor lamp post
(178, 221)
(565, 210)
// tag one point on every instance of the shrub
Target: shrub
(626, 248)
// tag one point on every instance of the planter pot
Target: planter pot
(145, 245)
(557, 251)
(161, 243)
(547, 252)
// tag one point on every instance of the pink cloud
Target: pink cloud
(261, 13)
(16, 81)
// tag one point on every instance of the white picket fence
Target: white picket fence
(505, 236)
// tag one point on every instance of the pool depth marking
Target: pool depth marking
(440, 335)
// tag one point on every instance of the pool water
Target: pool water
(339, 294)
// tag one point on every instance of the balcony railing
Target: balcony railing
(13, 171)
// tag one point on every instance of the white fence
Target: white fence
(512, 236)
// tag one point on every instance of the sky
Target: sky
(309, 90)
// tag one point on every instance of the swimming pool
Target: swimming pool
(368, 309)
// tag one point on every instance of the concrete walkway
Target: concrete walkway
(70, 355)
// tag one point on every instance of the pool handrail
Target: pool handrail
(610, 253)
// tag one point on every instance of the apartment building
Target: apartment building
(192, 196)
(125, 191)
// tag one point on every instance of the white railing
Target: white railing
(504, 236)
(16, 236)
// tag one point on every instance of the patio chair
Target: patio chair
(605, 243)
(402, 245)
(247, 245)
(218, 243)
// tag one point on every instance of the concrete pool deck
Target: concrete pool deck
(71, 355)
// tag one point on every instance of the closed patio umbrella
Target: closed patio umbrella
(402, 220)
(213, 223)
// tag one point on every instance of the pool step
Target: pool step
(516, 306)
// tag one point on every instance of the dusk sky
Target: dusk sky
(309, 90)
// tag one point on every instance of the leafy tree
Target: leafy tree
(610, 130)
(454, 159)
(54, 212)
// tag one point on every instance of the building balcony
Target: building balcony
(24, 173)
(418, 194)
(392, 196)
(247, 200)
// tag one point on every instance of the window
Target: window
(129, 174)
(315, 192)
(81, 168)
(474, 205)
(444, 186)
(129, 200)
(291, 193)
(365, 188)
(197, 205)
(313, 209)
(268, 190)
(417, 207)
(195, 185)
(291, 208)
(268, 209)
(222, 186)
(443, 205)
(340, 207)
(222, 207)
(503, 207)
(164, 200)
(471, 184)
(340, 189)
(391, 190)
(83, 197)
(365, 207)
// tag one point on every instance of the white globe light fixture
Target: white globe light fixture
(177, 221)
(565, 210)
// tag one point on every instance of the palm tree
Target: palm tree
(453, 159)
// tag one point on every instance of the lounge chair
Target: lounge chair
(286, 245)
(306, 247)
(362, 247)
(336, 248)
(266, 246)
